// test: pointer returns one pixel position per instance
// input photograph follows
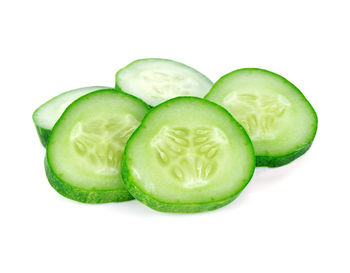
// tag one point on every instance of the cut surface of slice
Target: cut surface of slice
(47, 114)
(85, 148)
(278, 118)
(157, 80)
(188, 155)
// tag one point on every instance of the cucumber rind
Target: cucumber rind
(83, 195)
(44, 133)
(161, 206)
(118, 87)
(278, 161)
(80, 194)
(281, 159)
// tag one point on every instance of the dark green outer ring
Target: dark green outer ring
(278, 160)
(158, 205)
(43, 134)
(83, 195)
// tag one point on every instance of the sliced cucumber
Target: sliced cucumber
(278, 118)
(157, 80)
(188, 155)
(86, 145)
(47, 114)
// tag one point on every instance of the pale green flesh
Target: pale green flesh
(157, 80)
(48, 113)
(276, 116)
(190, 153)
(86, 146)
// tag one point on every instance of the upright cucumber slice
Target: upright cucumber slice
(278, 118)
(47, 114)
(188, 155)
(157, 80)
(86, 146)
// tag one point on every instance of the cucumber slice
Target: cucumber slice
(157, 80)
(47, 114)
(278, 118)
(188, 155)
(85, 148)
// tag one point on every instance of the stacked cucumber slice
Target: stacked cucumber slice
(47, 114)
(83, 159)
(157, 80)
(278, 118)
(196, 150)
(188, 155)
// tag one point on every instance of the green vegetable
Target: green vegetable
(188, 155)
(157, 80)
(47, 114)
(278, 118)
(86, 146)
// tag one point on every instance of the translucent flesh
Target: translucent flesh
(155, 80)
(101, 142)
(189, 154)
(258, 114)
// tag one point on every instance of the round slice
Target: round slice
(188, 155)
(278, 118)
(47, 114)
(83, 158)
(157, 80)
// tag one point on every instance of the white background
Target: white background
(289, 219)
